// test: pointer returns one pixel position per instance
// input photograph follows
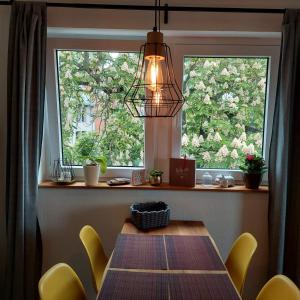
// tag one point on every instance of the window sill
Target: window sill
(164, 186)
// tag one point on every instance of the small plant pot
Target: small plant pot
(91, 174)
(155, 180)
(252, 181)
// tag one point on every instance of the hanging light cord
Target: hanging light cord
(159, 16)
(155, 14)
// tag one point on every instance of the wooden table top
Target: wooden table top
(175, 228)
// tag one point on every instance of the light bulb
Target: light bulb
(154, 74)
(157, 97)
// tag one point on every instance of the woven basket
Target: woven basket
(150, 214)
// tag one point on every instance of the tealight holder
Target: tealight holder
(62, 172)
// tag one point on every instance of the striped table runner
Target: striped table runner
(192, 253)
(139, 252)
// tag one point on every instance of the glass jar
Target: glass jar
(207, 179)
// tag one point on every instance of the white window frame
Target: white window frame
(52, 133)
(230, 48)
(162, 135)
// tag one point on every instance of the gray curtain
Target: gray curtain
(284, 164)
(26, 90)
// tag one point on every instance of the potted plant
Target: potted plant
(93, 163)
(254, 167)
(92, 167)
(155, 177)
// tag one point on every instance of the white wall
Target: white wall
(62, 212)
(199, 21)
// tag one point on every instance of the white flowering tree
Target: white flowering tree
(223, 118)
(92, 86)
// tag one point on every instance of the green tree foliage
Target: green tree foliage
(92, 85)
(223, 118)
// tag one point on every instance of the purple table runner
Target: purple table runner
(157, 252)
(201, 287)
(126, 285)
(192, 253)
(139, 252)
(123, 285)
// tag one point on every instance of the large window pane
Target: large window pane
(223, 118)
(92, 85)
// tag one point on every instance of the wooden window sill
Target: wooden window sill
(164, 186)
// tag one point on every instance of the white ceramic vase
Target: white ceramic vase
(91, 174)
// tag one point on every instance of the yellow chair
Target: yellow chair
(279, 287)
(61, 283)
(239, 259)
(93, 246)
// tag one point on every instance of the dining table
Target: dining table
(177, 262)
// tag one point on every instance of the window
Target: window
(223, 118)
(87, 80)
(229, 87)
(92, 85)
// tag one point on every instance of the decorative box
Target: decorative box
(150, 214)
(182, 172)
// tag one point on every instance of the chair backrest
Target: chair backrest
(61, 283)
(93, 246)
(239, 259)
(279, 287)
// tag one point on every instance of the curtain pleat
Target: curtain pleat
(284, 171)
(25, 114)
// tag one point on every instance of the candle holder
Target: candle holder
(62, 172)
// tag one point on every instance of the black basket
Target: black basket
(150, 214)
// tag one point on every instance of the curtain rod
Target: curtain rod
(166, 7)
(169, 8)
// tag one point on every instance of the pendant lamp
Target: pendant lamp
(154, 91)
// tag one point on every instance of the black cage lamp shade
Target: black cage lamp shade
(154, 91)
